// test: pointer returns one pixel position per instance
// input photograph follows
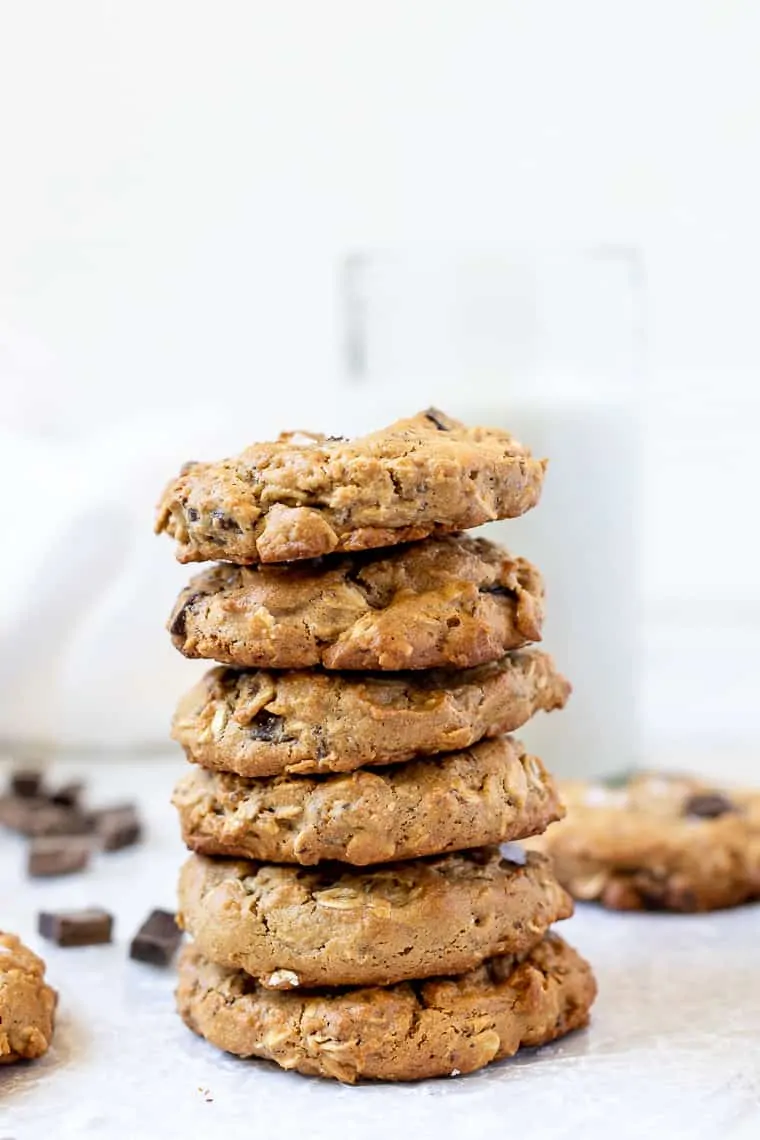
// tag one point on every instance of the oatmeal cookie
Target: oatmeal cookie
(307, 495)
(449, 602)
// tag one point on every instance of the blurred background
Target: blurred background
(217, 221)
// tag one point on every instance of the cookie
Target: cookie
(658, 841)
(27, 1002)
(440, 1027)
(307, 495)
(289, 926)
(264, 723)
(453, 601)
(491, 793)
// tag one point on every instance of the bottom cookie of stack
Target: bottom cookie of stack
(438, 1027)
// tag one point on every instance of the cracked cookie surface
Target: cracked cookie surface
(491, 793)
(454, 601)
(263, 722)
(289, 926)
(307, 495)
(657, 841)
(27, 1002)
(443, 1026)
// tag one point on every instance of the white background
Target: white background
(178, 181)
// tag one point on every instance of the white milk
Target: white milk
(583, 538)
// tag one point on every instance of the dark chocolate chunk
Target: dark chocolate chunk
(498, 591)
(267, 727)
(336, 439)
(38, 816)
(224, 520)
(117, 826)
(157, 939)
(192, 514)
(57, 855)
(26, 782)
(438, 418)
(177, 627)
(52, 819)
(88, 927)
(708, 805)
(68, 795)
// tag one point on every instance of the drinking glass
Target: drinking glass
(549, 345)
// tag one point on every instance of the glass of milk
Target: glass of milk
(549, 345)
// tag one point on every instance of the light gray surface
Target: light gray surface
(673, 1050)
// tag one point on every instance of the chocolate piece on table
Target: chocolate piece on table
(68, 795)
(88, 927)
(157, 939)
(57, 855)
(37, 816)
(117, 827)
(26, 782)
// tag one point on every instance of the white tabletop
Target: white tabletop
(673, 1049)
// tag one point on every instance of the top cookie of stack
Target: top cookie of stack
(307, 495)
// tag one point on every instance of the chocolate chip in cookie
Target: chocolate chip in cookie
(708, 805)
(177, 627)
(438, 418)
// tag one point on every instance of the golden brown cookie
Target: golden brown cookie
(657, 841)
(440, 1027)
(491, 793)
(307, 495)
(263, 723)
(289, 926)
(27, 1002)
(452, 601)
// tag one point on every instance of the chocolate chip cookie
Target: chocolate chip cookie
(491, 793)
(289, 926)
(657, 841)
(440, 1027)
(27, 1002)
(263, 723)
(454, 601)
(307, 495)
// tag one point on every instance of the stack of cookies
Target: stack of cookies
(351, 912)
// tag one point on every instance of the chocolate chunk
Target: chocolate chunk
(157, 939)
(708, 805)
(55, 855)
(224, 520)
(88, 927)
(267, 727)
(117, 826)
(26, 782)
(177, 627)
(68, 795)
(38, 816)
(192, 514)
(438, 418)
(52, 819)
(498, 591)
